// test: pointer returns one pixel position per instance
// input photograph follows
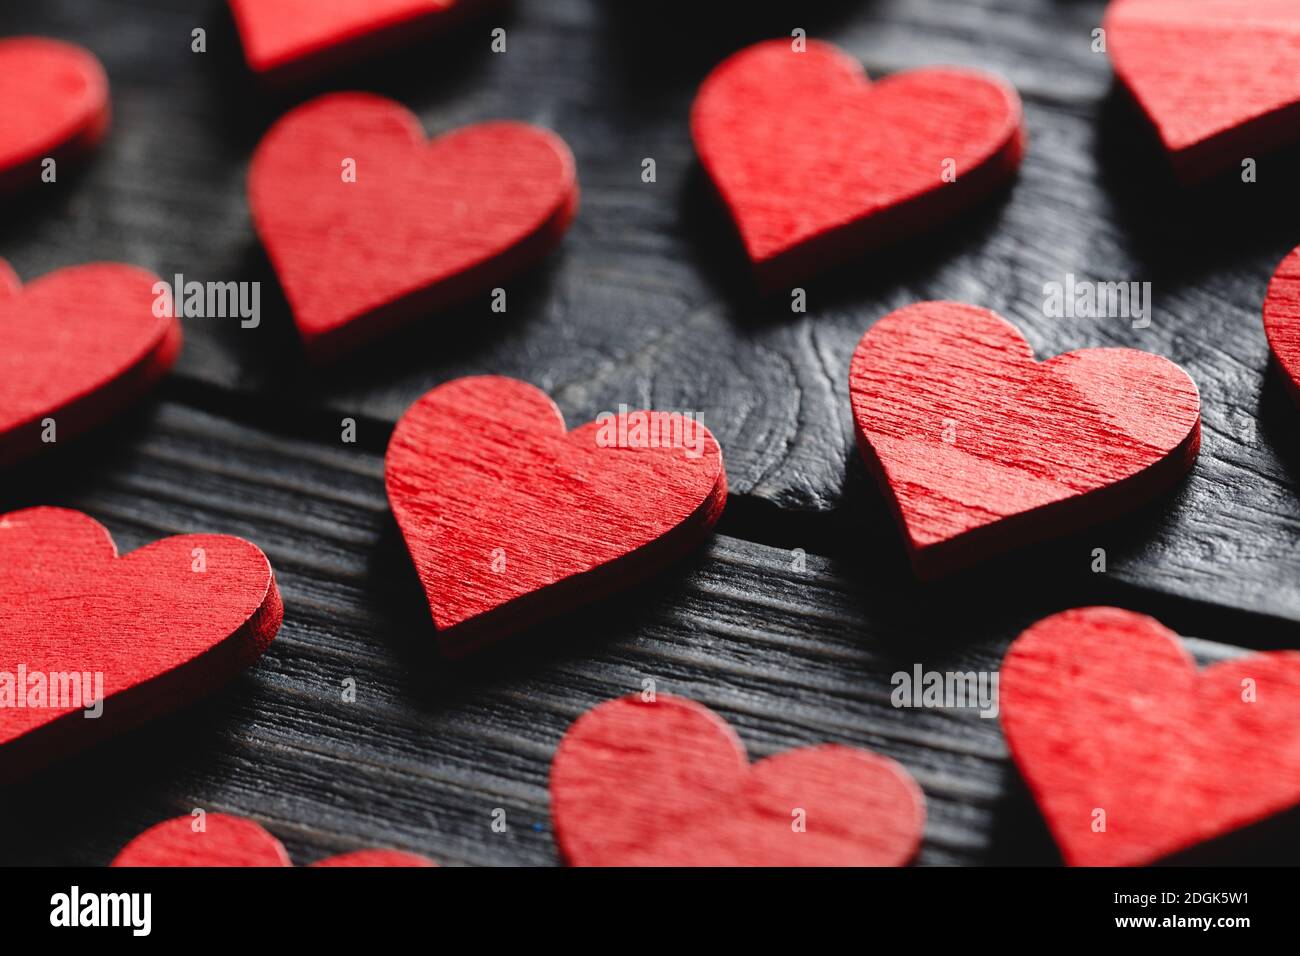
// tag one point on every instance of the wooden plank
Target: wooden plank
(428, 750)
(646, 302)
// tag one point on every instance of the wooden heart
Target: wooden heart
(981, 449)
(134, 636)
(53, 105)
(293, 40)
(425, 224)
(225, 840)
(76, 346)
(1217, 78)
(667, 783)
(816, 165)
(1130, 752)
(509, 518)
(1282, 321)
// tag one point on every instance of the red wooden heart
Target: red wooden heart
(816, 165)
(144, 633)
(77, 346)
(226, 840)
(425, 225)
(1104, 710)
(510, 518)
(668, 784)
(1217, 78)
(374, 858)
(981, 449)
(53, 104)
(293, 39)
(1282, 320)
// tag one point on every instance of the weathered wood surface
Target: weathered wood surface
(645, 303)
(428, 750)
(647, 300)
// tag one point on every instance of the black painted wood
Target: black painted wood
(645, 303)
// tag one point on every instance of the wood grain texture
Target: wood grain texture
(53, 105)
(982, 449)
(510, 518)
(1104, 711)
(790, 650)
(1217, 78)
(224, 840)
(1282, 321)
(409, 227)
(649, 301)
(665, 782)
(92, 643)
(817, 165)
(76, 346)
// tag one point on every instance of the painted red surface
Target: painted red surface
(1282, 320)
(1105, 710)
(226, 840)
(1217, 78)
(427, 223)
(981, 449)
(509, 518)
(76, 345)
(160, 632)
(668, 783)
(298, 38)
(53, 103)
(817, 165)
(372, 858)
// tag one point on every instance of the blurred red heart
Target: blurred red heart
(667, 783)
(1131, 753)
(53, 104)
(423, 225)
(225, 840)
(136, 635)
(77, 345)
(817, 165)
(1217, 78)
(295, 39)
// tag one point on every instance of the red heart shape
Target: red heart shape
(510, 518)
(293, 39)
(425, 225)
(1104, 709)
(53, 104)
(77, 345)
(981, 449)
(1282, 320)
(817, 165)
(667, 783)
(1217, 78)
(157, 631)
(235, 841)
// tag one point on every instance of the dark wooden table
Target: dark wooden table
(646, 303)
